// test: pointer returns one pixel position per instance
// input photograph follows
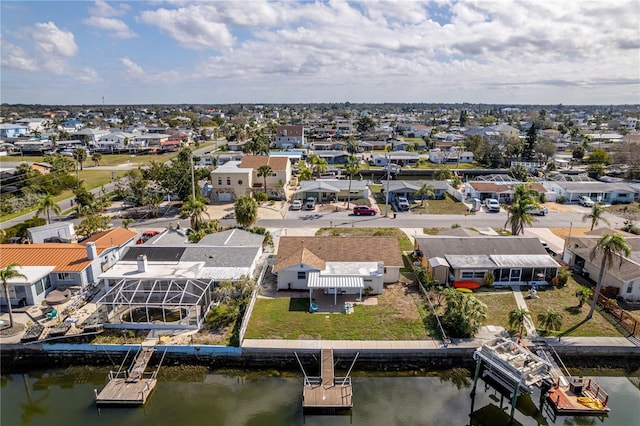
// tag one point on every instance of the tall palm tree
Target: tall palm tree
(517, 319)
(8, 273)
(351, 168)
(596, 215)
(319, 165)
(426, 190)
(80, 154)
(196, 209)
(246, 209)
(524, 201)
(264, 171)
(550, 319)
(46, 205)
(608, 247)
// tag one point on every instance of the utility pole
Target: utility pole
(386, 192)
(193, 180)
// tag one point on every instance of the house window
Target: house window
(630, 288)
(367, 280)
(240, 182)
(229, 181)
(302, 275)
(467, 274)
(220, 181)
(64, 276)
(39, 287)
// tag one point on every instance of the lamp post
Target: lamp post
(566, 242)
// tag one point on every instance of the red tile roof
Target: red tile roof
(255, 161)
(111, 238)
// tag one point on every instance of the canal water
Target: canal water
(200, 397)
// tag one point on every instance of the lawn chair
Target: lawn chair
(52, 314)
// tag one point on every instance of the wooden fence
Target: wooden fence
(623, 318)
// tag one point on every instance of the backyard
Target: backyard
(397, 316)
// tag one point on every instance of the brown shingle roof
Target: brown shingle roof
(290, 130)
(315, 251)
(255, 161)
(111, 238)
(64, 257)
(485, 186)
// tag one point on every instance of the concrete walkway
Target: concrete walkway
(522, 304)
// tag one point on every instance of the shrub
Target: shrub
(563, 276)
(488, 279)
(260, 196)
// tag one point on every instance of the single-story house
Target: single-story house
(170, 277)
(451, 156)
(603, 192)
(621, 279)
(53, 265)
(408, 188)
(501, 191)
(402, 158)
(337, 264)
(332, 156)
(333, 189)
(511, 260)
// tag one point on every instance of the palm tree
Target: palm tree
(46, 205)
(596, 215)
(8, 273)
(246, 209)
(352, 145)
(305, 173)
(96, 157)
(524, 201)
(351, 168)
(80, 154)
(550, 319)
(583, 293)
(608, 247)
(264, 171)
(426, 190)
(196, 209)
(319, 165)
(517, 319)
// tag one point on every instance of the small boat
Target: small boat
(464, 290)
(472, 285)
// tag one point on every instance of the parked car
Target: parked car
(146, 236)
(364, 210)
(492, 205)
(296, 205)
(403, 204)
(585, 201)
(540, 211)
(310, 204)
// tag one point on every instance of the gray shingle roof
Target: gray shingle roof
(443, 246)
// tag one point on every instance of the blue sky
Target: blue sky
(141, 52)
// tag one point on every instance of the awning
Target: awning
(316, 280)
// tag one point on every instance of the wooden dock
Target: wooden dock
(581, 396)
(130, 387)
(327, 391)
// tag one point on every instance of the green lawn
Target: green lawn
(499, 304)
(403, 240)
(286, 318)
(91, 178)
(564, 301)
(448, 205)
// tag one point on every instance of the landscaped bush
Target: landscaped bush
(563, 276)
(261, 196)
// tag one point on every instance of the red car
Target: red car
(364, 210)
(146, 236)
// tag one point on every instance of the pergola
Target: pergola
(334, 282)
(186, 300)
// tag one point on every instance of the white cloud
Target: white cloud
(16, 58)
(194, 26)
(104, 9)
(132, 67)
(118, 28)
(87, 75)
(51, 40)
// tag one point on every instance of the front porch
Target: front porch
(339, 303)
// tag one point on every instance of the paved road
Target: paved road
(65, 204)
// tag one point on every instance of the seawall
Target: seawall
(383, 357)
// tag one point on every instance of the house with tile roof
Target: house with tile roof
(623, 278)
(48, 266)
(290, 137)
(235, 179)
(511, 260)
(335, 265)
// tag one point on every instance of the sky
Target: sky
(374, 51)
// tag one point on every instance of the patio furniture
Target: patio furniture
(52, 314)
(313, 307)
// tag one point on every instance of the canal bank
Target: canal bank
(592, 352)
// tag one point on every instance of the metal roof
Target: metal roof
(528, 261)
(316, 280)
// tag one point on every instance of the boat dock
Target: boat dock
(130, 387)
(327, 392)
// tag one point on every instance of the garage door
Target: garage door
(224, 196)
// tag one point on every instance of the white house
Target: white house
(290, 137)
(337, 265)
